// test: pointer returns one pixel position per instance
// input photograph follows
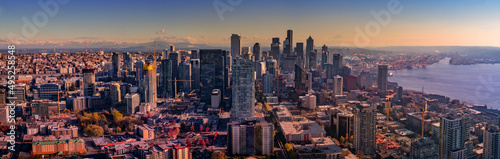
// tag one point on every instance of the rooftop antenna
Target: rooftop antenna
(154, 54)
(86, 47)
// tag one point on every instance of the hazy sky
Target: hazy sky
(331, 22)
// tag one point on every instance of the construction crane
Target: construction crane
(424, 110)
(58, 101)
(175, 83)
(387, 111)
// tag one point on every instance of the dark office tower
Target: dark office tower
(235, 45)
(165, 54)
(288, 45)
(116, 64)
(311, 60)
(139, 71)
(382, 78)
(194, 54)
(301, 80)
(365, 129)
(324, 56)
(88, 82)
(172, 48)
(257, 52)
(299, 50)
(185, 75)
(212, 68)
(175, 57)
(310, 56)
(127, 60)
(275, 48)
(337, 63)
(165, 86)
(324, 59)
(195, 74)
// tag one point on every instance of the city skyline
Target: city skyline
(109, 23)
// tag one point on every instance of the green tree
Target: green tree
(342, 139)
(288, 147)
(94, 130)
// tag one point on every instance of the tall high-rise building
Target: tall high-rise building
(175, 58)
(492, 142)
(195, 74)
(165, 81)
(337, 63)
(115, 92)
(212, 70)
(243, 89)
(309, 53)
(185, 75)
(149, 83)
(164, 55)
(311, 62)
(382, 78)
(338, 83)
(301, 80)
(88, 82)
(246, 53)
(365, 129)
(272, 66)
(235, 45)
(299, 50)
(133, 101)
(267, 84)
(454, 132)
(194, 54)
(260, 68)
(250, 138)
(116, 61)
(257, 52)
(127, 61)
(275, 48)
(288, 44)
(172, 48)
(138, 70)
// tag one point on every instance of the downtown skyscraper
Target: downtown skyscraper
(275, 48)
(382, 78)
(257, 52)
(365, 129)
(235, 45)
(243, 89)
(453, 133)
(149, 83)
(88, 82)
(310, 54)
(116, 62)
(212, 72)
(288, 43)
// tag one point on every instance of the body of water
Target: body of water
(478, 84)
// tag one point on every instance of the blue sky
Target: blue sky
(420, 23)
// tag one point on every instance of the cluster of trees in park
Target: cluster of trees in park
(106, 122)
